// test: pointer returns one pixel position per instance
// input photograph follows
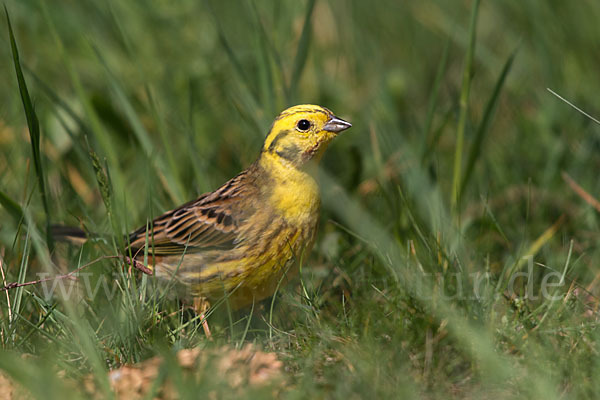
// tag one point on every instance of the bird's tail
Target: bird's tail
(70, 234)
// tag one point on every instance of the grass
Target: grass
(453, 258)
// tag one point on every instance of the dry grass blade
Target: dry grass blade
(588, 198)
(573, 105)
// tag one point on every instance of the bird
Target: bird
(247, 236)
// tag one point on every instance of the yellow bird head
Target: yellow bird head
(301, 133)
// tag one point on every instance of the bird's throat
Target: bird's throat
(294, 191)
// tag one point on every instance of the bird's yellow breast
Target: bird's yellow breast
(294, 193)
(297, 201)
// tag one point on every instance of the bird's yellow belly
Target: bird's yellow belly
(261, 274)
(296, 203)
(249, 273)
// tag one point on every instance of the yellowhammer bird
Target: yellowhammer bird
(244, 236)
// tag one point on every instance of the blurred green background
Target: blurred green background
(174, 98)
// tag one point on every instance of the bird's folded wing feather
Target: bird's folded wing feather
(210, 222)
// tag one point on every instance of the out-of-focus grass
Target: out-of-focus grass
(398, 298)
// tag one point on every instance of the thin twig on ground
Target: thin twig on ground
(136, 264)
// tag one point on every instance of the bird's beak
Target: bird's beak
(336, 125)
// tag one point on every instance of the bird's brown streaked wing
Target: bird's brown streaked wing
(210, 222)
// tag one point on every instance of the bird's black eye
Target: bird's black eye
(303, 125)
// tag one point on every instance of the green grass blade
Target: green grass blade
(61, 105)
(102, 180)
(302, 51)
(475, 340)
(483, 128)
(106, 192)
(98, 130)
(267, 44)
(18, 297)
(57, 100)
(11, 206)
(464, 106)
(138, 129)
(142, 135)
(265, 72)
(173, 171)
(427, 132)
(34, 127)
(246, 100)
(237, 65)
